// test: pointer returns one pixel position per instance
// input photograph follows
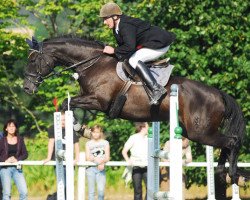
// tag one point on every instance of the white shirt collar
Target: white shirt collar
(117, 26)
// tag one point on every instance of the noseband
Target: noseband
(39, 78)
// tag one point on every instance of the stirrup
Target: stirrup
(156, 97)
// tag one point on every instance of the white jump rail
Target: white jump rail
(110, 163)
(84, 164)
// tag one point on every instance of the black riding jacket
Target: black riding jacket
(135, 33)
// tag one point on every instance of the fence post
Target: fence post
(153, 161)
(69, 155)
(81, 177)
(59, 156)
(235, 192)
(175, 165)
(210, 172)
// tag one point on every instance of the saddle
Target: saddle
(161, 71)
(131, 72)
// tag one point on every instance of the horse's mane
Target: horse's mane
(77, 40)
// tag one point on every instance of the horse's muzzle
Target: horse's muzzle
(29, 87)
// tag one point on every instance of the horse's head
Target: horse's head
(78, 54)
(39, 66)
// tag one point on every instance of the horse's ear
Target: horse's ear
(34, 40)
(29, 42)
(35, 44)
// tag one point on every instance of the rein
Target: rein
(94, 59)
(40, 78)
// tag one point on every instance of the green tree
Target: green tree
(212, 46)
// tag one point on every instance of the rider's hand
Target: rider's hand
(108, 50)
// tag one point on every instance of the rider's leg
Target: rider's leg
(145, 55)
(137, 62)
(156, 89)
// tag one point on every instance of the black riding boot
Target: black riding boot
(156, 89)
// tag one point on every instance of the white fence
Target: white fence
(82, 165)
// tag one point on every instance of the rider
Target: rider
(139, 42)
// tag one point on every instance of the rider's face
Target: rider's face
(109, 22)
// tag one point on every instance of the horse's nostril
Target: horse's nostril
(27, 90)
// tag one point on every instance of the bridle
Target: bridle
(39, 78)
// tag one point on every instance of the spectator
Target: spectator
(97, 151)
(137, 144)
(51, 145)
(186, 158)
(12, 149)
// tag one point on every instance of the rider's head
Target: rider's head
(110, 13)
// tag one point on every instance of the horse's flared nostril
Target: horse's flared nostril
(27, 90)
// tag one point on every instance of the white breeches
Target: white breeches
(145, 55)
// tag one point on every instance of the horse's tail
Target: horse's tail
(235, 126)
(234, 123)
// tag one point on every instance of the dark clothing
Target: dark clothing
(21, 151)
(12, 149)
(135, 33)
(138, 175)
(51, 135)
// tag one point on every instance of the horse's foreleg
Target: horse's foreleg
(87, 102)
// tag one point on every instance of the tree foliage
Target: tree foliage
(212, 46)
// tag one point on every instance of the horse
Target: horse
(207, 115)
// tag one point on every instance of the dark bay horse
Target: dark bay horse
(207, 115)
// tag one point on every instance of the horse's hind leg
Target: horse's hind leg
(229, 149)
(233, 159)
(231, 152)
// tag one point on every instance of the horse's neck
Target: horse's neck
(70, 54)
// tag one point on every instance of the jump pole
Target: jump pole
(67, 154)
(210, 173)
(59, 152)
(175, 165)
(210, 177)
(154, 153)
